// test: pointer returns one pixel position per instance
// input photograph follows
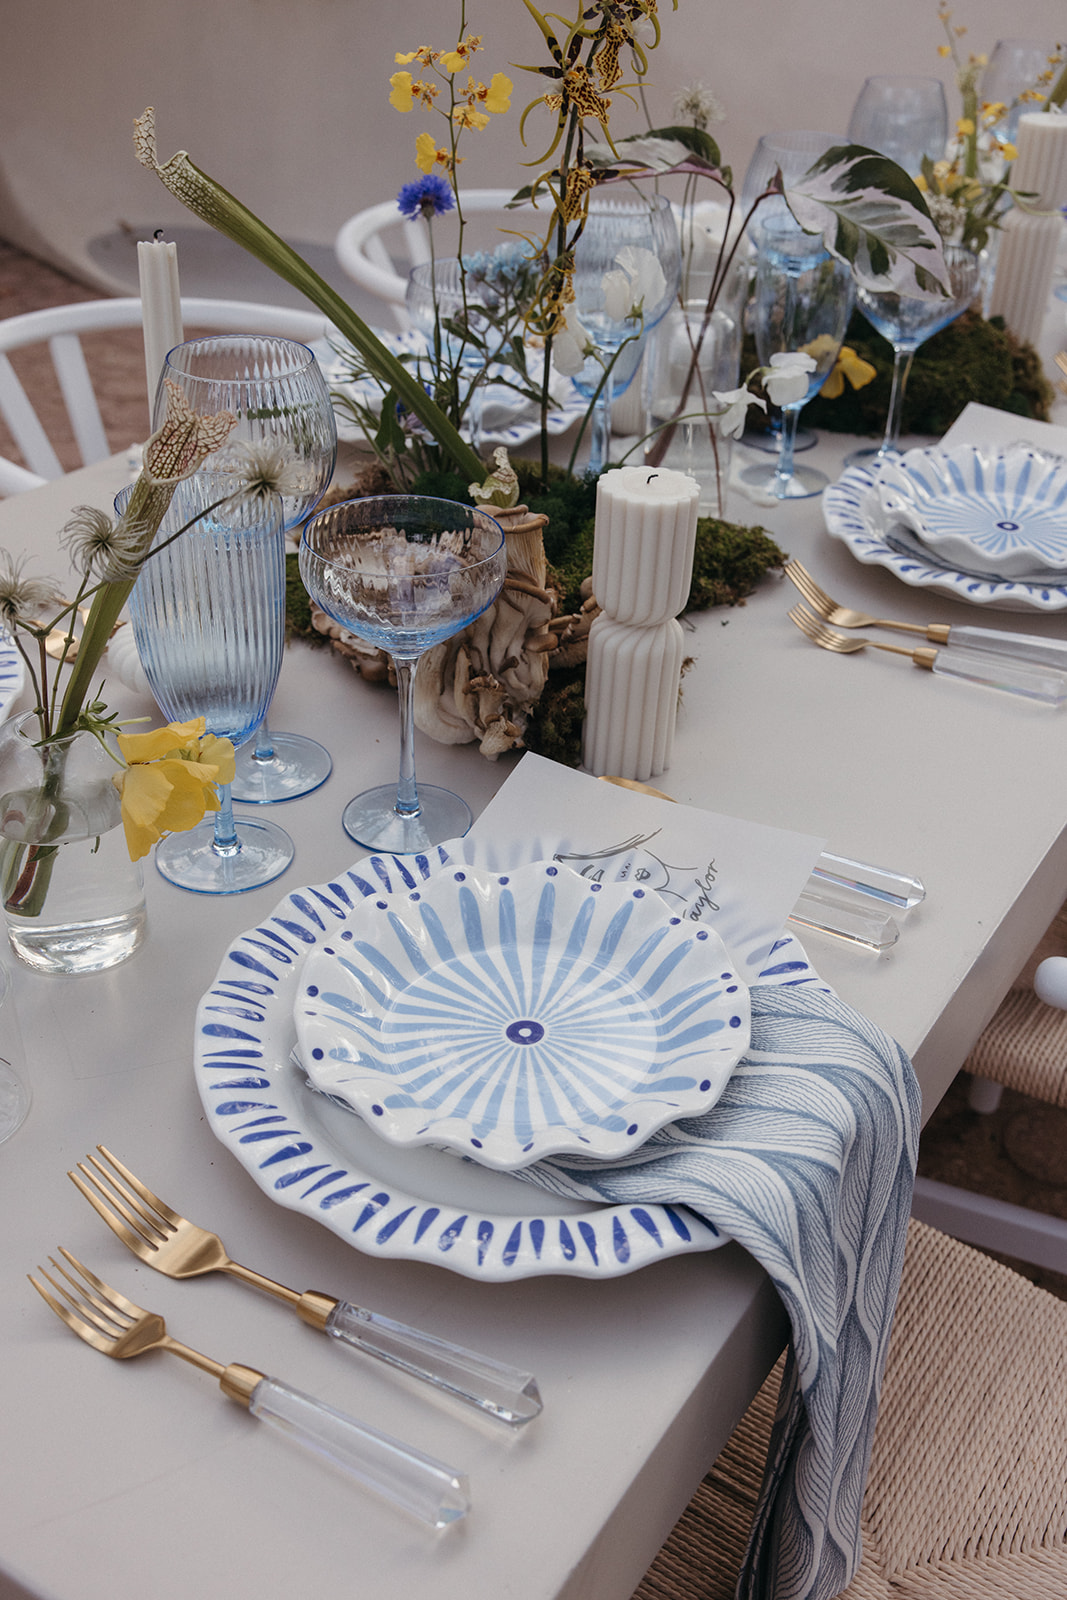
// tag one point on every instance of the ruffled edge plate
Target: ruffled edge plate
(319, 1159)
(517, 1015)
(849, 519)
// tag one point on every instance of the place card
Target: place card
(742, 878)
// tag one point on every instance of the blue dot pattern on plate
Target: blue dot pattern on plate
(259, 1106)
(518, 1016)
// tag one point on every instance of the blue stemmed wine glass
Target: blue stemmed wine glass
(208, 614)
(611, 225)
(803, 302)
(404, 572)
(907, 322)
(276, 390)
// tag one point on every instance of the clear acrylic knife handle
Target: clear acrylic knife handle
(1000, 672)
(417, 1483)
(1021, 646)
(493, 1387)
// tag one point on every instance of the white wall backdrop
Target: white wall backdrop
(286, 101)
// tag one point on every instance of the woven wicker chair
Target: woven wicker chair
(967, 1493)
(1023, 1048)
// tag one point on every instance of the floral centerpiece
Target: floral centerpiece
(520, 308)
(53, 790)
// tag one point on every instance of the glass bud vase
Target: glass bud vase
(73, 900)
(692, 355)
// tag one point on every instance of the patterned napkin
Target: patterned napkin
(808, 1161)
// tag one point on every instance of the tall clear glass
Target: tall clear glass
(404, 572)
(907, 322)
(276, 390)
(438, 294)
(612, 224)
(901, 117)
(804, 299)
(791, 151)
(208, 614)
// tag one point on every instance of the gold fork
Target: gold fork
(1015, 646)
(173, 1245)
(1016, 677)
(117, 1327)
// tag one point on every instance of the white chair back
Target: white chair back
(61, 326)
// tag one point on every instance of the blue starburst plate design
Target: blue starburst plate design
(998, 511)
(315, 1157)
(522, 1015)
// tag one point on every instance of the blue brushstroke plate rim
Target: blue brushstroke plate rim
(315, 1157)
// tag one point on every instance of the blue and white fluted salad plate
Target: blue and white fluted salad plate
(12, 674)
(854, 513)
(512, 1016)
(314, 1156)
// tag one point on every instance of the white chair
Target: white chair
(61, 326)
(378, 247)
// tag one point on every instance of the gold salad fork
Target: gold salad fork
(1018, 646)
(117, 1327)
(1036, 683)
(173, 1245)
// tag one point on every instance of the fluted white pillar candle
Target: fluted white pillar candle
(161, 307)
(631, 697)
(1026, 255)
(646, 525)
(646, 521)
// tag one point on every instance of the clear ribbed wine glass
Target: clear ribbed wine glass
(612, 224)
(403, 572)
(803, 302)
(902, 117)
(276, 390)
(208, 614)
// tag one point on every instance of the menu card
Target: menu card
(742, 878)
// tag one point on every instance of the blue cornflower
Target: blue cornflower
(427, 197)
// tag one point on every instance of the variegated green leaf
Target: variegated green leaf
(871, 215)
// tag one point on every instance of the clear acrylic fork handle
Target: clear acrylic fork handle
(426, 1488)
(493, 1387)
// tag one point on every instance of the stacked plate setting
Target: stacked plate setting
(987, 525)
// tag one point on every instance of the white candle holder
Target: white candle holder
(1026, 257)
(642, 571)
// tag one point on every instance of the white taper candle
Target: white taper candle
(161, 308)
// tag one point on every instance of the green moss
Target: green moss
(298, 604)
(971, 359)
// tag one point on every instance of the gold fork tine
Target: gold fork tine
(139, 1188)
(138, 1229)
(802, 579)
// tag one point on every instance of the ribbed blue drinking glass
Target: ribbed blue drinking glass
(208, 614)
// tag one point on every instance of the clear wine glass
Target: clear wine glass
(907, 322)
(612, 224)
(208, 614)
(438, 293)
(1014, 66)
(791, 151)
(904, 118)
(276, 389)
(403, 572)
(803, 302)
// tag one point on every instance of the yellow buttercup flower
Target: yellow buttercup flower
(169, 781)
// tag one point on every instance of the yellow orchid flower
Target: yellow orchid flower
(455, 60)
(1009, 151)
(402, 97)
(169, 781)
(428, 154)
(965, 127)
(497, 97)
(851, 366)
(469, 117)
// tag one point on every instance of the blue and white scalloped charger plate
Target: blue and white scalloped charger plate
(853, 513)
(523, 1014)
(422, 1204)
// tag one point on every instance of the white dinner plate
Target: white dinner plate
(853, 513)
(318, 1158)
(507, 418)
(517, 1015)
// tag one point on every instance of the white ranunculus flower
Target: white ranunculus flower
(731, 422)
(786, 381)
(571, 344)
(636, 282)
